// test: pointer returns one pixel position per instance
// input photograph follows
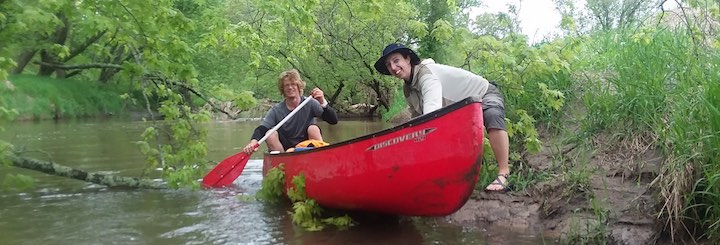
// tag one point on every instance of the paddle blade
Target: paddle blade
(226, 171)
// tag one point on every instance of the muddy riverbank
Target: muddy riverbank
(596, 194)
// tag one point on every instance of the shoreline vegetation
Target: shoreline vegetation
(43, 98)
(614, 125)
(47, 98)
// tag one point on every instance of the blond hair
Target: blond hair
(291, 75)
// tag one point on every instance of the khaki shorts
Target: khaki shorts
(493, 108)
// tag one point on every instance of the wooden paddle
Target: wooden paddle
(229, 169)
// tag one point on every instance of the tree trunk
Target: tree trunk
(60, 74)
(336, 94)
(340, 86)
(97, 178)
(381, 97)
(59, 37)
(118, 52)
(46, 70)
(23, 60)
(107, 74)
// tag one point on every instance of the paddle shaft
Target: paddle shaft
(272, 130)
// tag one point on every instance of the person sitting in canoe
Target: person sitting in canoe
(302, 125)
(430, 86)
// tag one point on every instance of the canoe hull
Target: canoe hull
(426, 167)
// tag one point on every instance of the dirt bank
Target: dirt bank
(596, 194)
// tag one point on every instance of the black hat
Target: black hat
(394, 48)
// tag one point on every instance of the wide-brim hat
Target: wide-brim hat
(394, 48)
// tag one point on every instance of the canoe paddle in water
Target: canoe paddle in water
(229, 169)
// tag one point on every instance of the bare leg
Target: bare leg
(501, 148)
(314, 133)
(273, 142)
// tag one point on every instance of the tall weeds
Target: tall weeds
(629, 79)
(643, 83)
(690, 138)
(706, 198)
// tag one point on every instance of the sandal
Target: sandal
(499, 182)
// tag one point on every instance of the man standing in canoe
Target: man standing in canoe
(302, 126)
(430, 86)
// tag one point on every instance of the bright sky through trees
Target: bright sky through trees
(538, 18)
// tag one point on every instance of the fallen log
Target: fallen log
(92, 177)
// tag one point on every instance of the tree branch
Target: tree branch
(85, 66)
(687, 23)
(142, 32)
(192, 90)
(79, 49)
(305, 74)
(662, 9)
(73, 73)
(92, 177)
(58, 37)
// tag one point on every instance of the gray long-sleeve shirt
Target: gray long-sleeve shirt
(295, 129)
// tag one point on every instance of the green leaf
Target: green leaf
(272, 185)
(443, 31)
(418, 29)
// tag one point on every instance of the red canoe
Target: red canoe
(425, 167)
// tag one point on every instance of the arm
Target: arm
(328, 113)
(413, 100)
(431, 90)
(268, 122)
(257, 135)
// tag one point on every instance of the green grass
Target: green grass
(44, 98)
(646, 83)
(705, 205)
(635, 79)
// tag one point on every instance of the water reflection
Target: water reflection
(378, 230)
(65, 211)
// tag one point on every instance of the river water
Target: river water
(59, 210)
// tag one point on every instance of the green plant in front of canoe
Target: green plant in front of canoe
(271, 190)
(306, 212)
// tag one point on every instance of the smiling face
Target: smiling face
(290, 85)
(399, 66)
(290, 89)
